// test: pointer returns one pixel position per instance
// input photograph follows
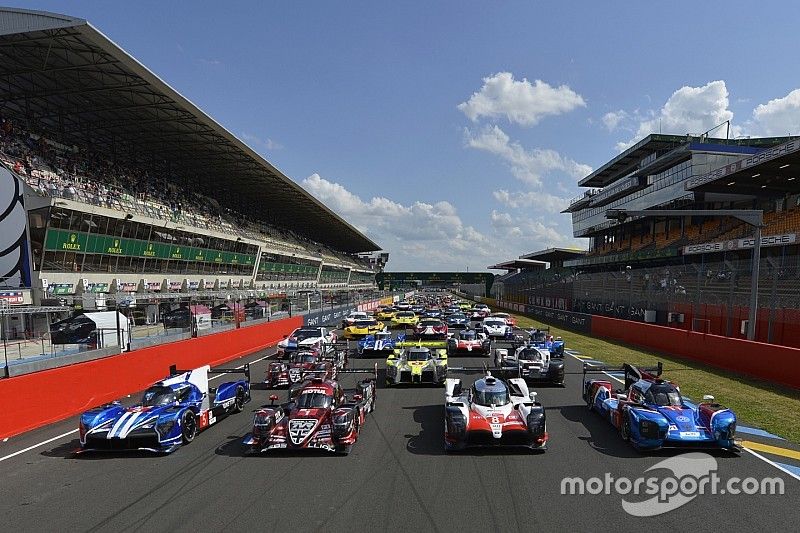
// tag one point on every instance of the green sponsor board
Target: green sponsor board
(79, 242)
(393, 279)
(267, 266)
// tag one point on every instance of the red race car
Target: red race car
(430, 328)
(283, 373)
(318, 415)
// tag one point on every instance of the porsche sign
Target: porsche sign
(739, 244)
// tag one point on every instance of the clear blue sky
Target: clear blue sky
(365, 95)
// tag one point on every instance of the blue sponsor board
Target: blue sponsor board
(327, 317)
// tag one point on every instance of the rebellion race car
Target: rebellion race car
(318, 416)
(379, 343)
(171, 413)
(299, 366)
(362, 328)
(493, 412)
(469, 341)
(650, 412)
(415, 363)
(528, 362)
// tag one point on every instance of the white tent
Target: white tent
(107, 323)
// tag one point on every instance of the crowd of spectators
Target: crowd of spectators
(57, 170)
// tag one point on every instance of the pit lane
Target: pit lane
(396, 478)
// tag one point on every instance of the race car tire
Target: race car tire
(625, 428)
(188, 427)
(238, 402)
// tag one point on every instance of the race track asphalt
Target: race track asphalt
(397, 478)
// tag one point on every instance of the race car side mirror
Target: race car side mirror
(708, 398)
(273, 398)
(532, 396)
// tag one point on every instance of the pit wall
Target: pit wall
(768, 362)
(33, 400)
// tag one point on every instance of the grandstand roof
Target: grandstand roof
(771, 172)
(518, 263)
(554, 255)
(70, 81)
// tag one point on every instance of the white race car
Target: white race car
(496, 328)
(306, 338)
(493, 412)
(351, 319)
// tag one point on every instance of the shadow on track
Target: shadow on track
(430, 439)
(71, 449)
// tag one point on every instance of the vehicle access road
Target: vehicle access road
(396, 478)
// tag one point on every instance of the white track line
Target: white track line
(606, 373)
(776, 465)
(48, 441)
(29, 448)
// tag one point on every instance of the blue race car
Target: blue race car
(378, 343)
(171, 413)
(650, 412)
(541, 339)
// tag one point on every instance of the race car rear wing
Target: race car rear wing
(245, 369)
(373, 371)
(422, 344)
(467, 369)
(632, 373)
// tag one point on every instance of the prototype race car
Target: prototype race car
(380, 342)
(307, 338)
(493, 412)
(415, 363)
(404, 319)
(542, 339)
(430, 328)
(318, 415)
(650, 412)
(529, 362)
(457, 321)
(469, 341)
(497, 328)
(362, 328)
(171, 413)
(300, 364)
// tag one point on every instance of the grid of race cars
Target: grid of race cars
(419, 339)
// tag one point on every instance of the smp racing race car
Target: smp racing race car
(469, 341)
(493, 412)
(318, 416)
(171, 413)
(378, 343)
(417, 362)
(650, 412)
(526, 360)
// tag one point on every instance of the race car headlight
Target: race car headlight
(648, 429)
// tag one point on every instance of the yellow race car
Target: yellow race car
(414, 362)
(465, 306)
(404, 319)
(362, 328)
(386, 314)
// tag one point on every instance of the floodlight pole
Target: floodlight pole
(752, 217)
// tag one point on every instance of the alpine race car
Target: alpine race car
(650, 412)
(457, 321)
(430, 328)
(528, 362)
(497, 328)
(415, 363)
(380, 342)
(362, 328)
(307, 338)
(542, 339)
(318, 416)
(171, 413)
(469, 341)
(404, 319)
(510, 320)
(493, 412)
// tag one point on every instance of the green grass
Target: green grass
(756, 403)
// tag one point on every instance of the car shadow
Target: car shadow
(72, 450)
(430, 439)
(235, 448)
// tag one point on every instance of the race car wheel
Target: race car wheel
(238, 403)
(625, 429)
(188, 427)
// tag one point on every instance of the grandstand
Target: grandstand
(113, 182)
(689, 272)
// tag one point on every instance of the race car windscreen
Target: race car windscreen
(405, 314)
(468, 335)
(158, 395)
(365, 323)
(303, 334)
(663, 395)
(313, 400)
(418, 355)
(303, 358)
(486, 398)
(457, 316)
(430, 323)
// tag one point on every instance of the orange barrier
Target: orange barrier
(33, 400)
(770, 362)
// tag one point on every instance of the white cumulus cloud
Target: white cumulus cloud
(692, 110)
(528, 166)
(519, 101)
(780, 116)
(612, 119)
(541, 201)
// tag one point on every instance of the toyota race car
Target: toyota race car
(171, 413)
(318, 415)
(650, 412)
(469, 341)
(415, 363)
(362, 328)
(528, 362)
(308, 338)
(380, 342)
(493, 412)
(497, 328)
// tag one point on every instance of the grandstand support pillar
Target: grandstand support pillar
(751, 322)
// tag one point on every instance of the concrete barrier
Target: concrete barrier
(40, 398)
